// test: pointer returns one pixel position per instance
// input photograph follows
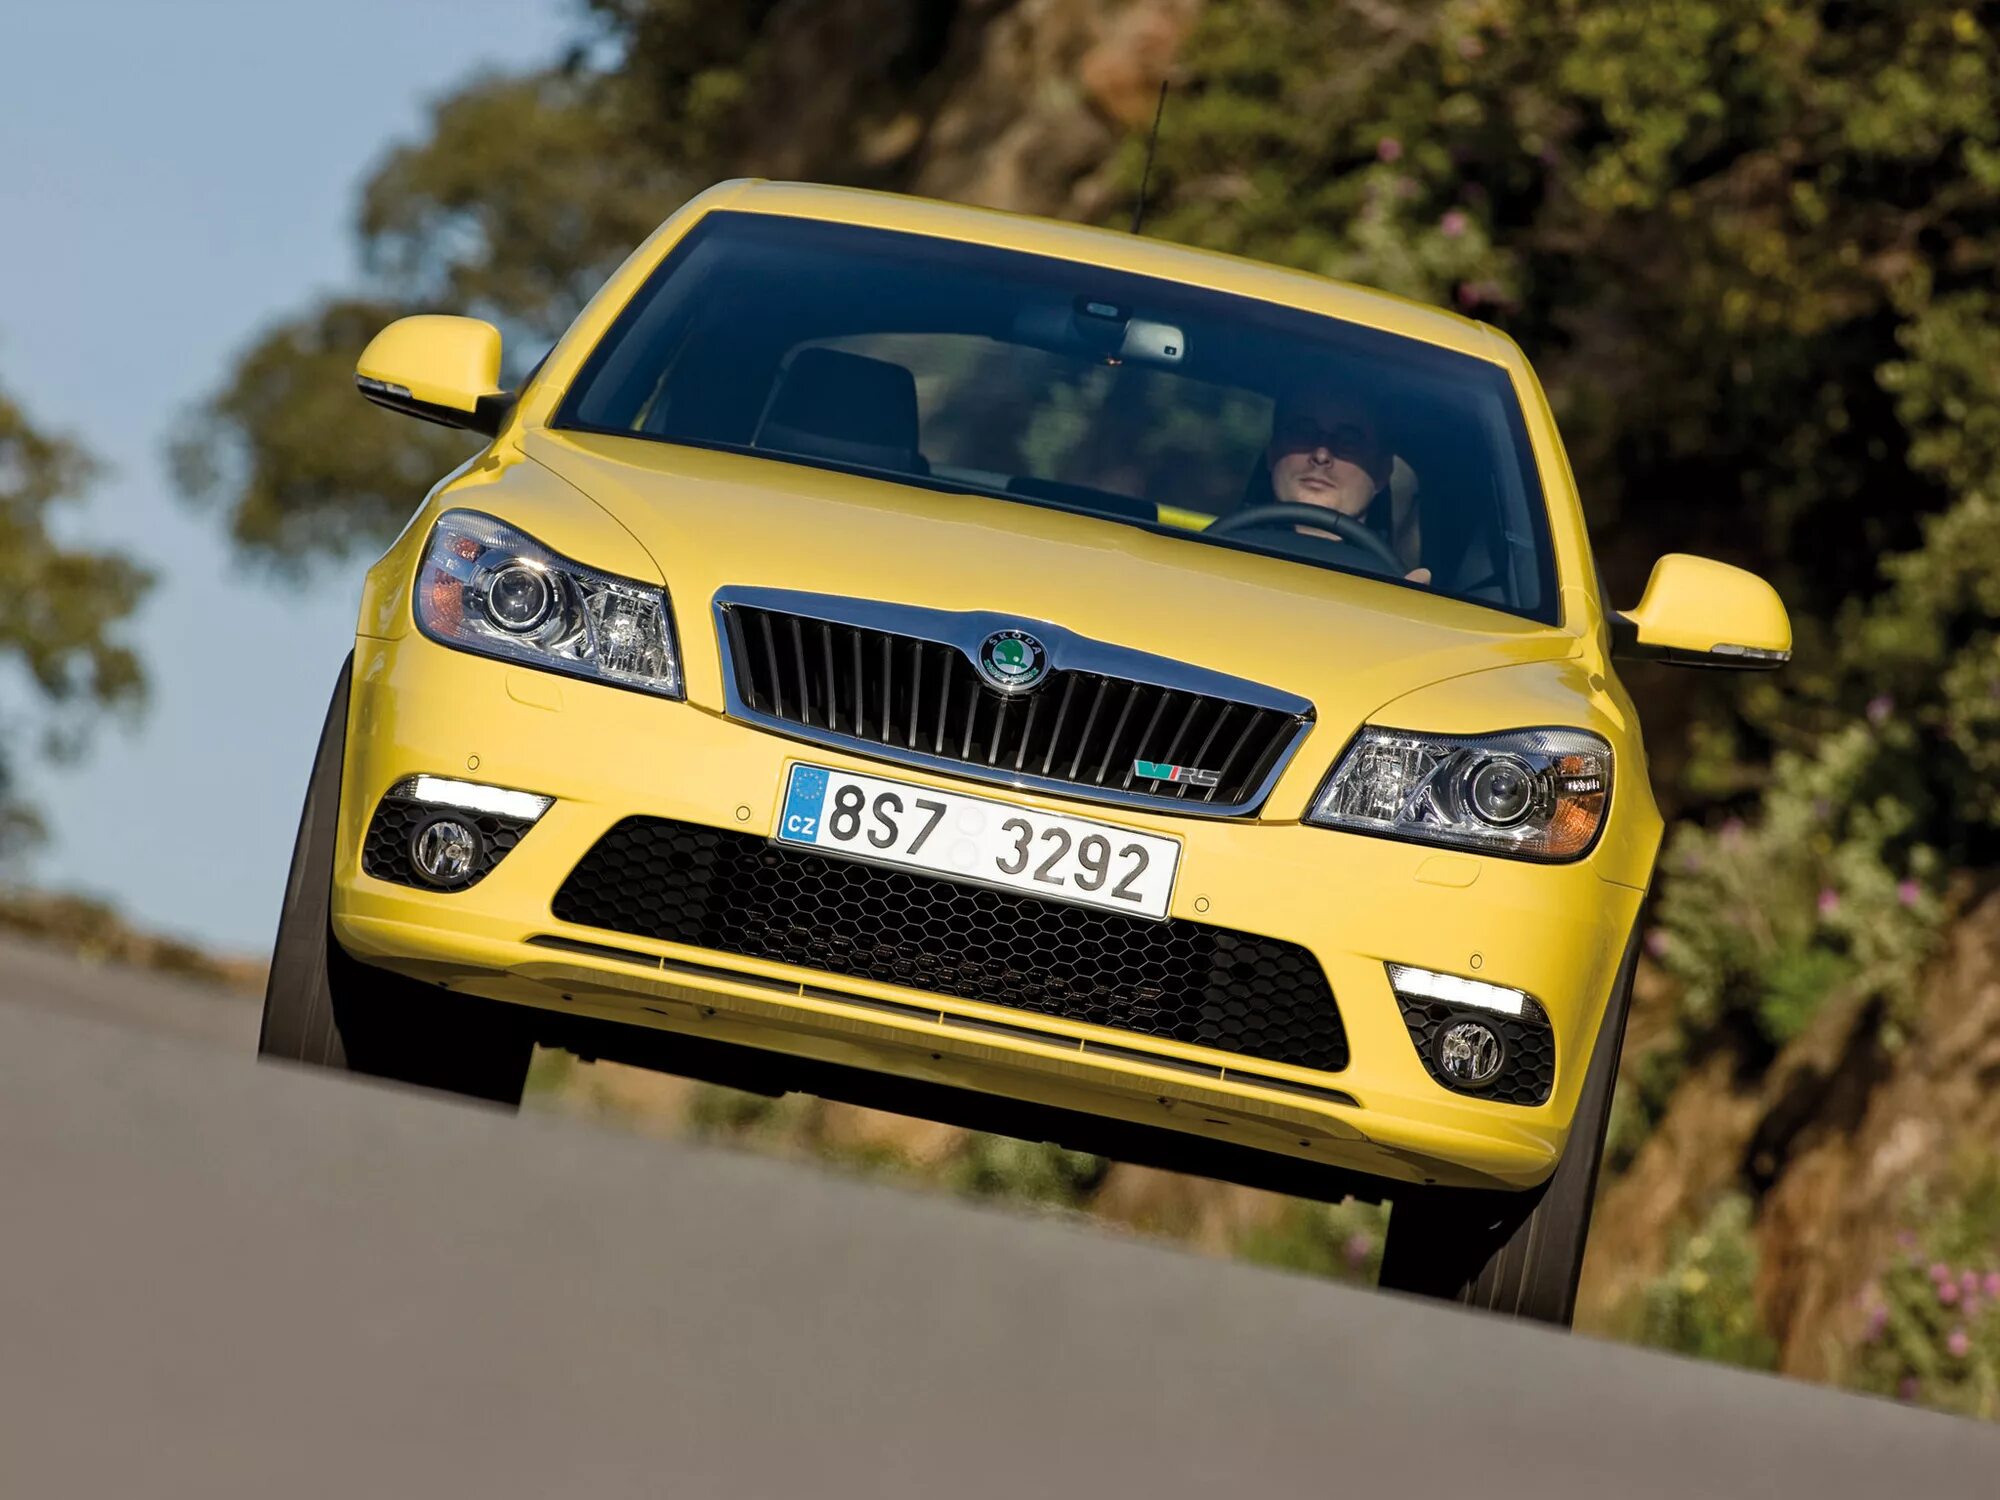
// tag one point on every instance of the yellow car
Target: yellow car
(1022, 675)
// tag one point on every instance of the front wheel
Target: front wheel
(327, 1009)
(1520, 1254)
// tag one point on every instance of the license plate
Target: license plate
(979, 841)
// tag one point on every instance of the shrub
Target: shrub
(1340, 1240)
(1702, 1304)
(1930, 1321)
(998, 1166)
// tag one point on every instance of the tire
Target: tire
(325, 1008)
(1516, 1253)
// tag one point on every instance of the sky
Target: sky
(174, 175)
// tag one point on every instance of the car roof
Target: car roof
(1121, 251)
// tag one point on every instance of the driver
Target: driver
(1327, 450)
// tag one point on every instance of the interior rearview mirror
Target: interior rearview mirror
(1697, 612)
(442, 369)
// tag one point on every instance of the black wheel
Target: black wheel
(327, 1009)
(1519, 1254)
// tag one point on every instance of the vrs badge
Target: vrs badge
(1159, 770)
(1012, 660)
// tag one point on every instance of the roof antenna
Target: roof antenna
(1152, 143)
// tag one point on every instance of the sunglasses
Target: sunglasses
(1349, 440)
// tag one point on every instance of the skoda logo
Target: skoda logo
(1012, 660)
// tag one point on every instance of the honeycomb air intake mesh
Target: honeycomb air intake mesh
(736, 893)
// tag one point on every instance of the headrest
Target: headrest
(845, 406)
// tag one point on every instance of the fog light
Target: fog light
(445, 851)
(1470, 1053)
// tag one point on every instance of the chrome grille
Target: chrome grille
(914, 693)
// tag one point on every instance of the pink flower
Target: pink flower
(1358, 1246)
(1940, 1272)
(1968, 1283)
(1453, 224)
(1992, 1284)
(1906, 1239)
(1907, 1388)
(1878, 1319)
(1959, 1344)
(1656, 942)
(1880, 707)
(1909, 892)
(1829, 901)
(1948, 1293)
(1731, 831)
(1388, 149)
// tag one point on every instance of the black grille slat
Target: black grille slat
(1146, 738)
(944, 700)
(849, 680)
(799, 663)
(1242, 739)
(1117, 729)
(832, 681)
(1027, 731)
(1062, 714)
(773, 682)
(1089, 722)
(1201, 751)
(730, 892)
(746, 672)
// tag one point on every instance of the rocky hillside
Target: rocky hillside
(1843, 1145)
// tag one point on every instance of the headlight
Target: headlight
(485, 587)
(1531, 793)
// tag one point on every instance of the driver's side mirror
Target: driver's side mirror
(442, 369)
(1697, 612)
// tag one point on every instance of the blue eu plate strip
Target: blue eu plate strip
(804, 799)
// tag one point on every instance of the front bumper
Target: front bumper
(1557, 932)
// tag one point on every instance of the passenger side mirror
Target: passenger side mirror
(441, 369)
(1697, 612)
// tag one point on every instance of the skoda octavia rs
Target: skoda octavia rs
(1022, 675)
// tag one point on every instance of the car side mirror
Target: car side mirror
(441, 369)
(1697, 612)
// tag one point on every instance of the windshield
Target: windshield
(1216, 418)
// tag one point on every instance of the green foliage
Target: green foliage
(301, 466)
(1702, 1303)
(60, 608)
(998, 1166)
(1339, 1240)
(1823, 896)
(1930, 1322)
(527, 193)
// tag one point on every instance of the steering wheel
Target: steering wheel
(1288, 514)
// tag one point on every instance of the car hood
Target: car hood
(712, 519)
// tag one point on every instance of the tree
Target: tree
(1747, 244)
(60, 607)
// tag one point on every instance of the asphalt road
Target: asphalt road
(221, 1279)
(46, 978)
